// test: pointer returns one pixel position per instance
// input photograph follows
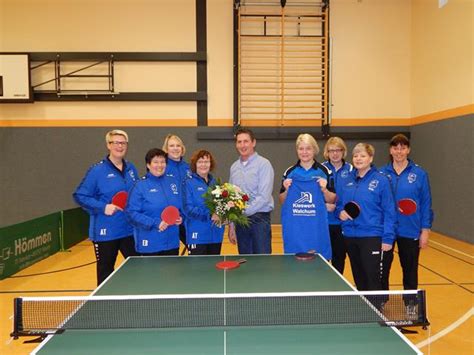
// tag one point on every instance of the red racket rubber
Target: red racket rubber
(407, 206)
(229, 264)
(170, 215)
(120, 199)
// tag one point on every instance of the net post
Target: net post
(17, 317)
(422, 319)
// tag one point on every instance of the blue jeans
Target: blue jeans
(257, 237)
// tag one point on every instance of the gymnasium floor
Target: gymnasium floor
(446, 272)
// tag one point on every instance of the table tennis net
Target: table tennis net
(37, 315)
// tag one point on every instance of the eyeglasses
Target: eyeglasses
(335, 151)
(123, 144)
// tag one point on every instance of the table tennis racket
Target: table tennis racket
(120, 199)
(230, 264)
(170, 214)
(407, 206)
(310, 255)
(352, 209)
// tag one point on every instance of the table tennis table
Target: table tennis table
(198, 275)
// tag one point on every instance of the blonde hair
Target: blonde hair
(175, 137)
(308, 139)
(115, 132)
(364, 147)
(338, 142)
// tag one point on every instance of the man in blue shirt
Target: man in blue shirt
(254, 175)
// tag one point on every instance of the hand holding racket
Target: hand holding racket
(351, 210)
(169, 216)
(119, 201)
(407, 206)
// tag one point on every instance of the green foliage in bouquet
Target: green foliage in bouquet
(228, 202)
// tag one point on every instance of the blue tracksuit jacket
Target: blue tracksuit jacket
(199, 227)
(146, 201)
(341, 174)
(179, 169)
(412, 183)
(374, 196)
(101, 182)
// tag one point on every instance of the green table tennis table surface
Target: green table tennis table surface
(198, 275)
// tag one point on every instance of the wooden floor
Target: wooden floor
(446, 273)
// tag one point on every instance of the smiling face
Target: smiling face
(305, 152)
(175, 149)
(203, 166)
(245, 146)
(335, 154)
(399, 153)
(157, 166)
(117, 146)
(362, 160)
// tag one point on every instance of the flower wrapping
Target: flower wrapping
(228, 202)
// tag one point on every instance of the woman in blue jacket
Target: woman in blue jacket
(203, 232)
(306, 188)
(177, 167)
(109, 229)
(335, 151)
(373, 231)
(410, 181)
(150, 196)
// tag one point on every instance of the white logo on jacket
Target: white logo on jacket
(373, 185)
(411, 178)
(174, 188)
(111, 175)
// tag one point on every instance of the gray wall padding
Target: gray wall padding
(40, 167)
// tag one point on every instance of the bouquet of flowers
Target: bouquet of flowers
(228, 202)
